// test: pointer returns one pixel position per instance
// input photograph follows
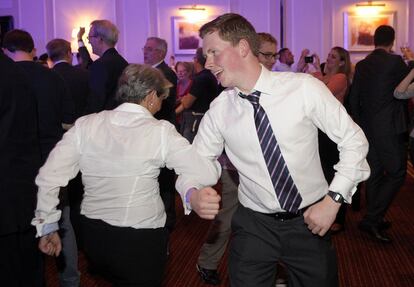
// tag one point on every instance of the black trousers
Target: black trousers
(126, 256)
(260, 241)
(387, 158)
(21, 262)
(166, 180)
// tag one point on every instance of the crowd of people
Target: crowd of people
(105, 146)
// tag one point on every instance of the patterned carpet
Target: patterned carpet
(362, 261)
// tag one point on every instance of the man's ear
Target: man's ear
(244, 47)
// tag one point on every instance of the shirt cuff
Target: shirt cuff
(81, 43)
(187, 198)
(49, 228)
(343, 186)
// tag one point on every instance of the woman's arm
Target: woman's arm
(405, 89)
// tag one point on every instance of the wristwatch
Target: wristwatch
(337, 197)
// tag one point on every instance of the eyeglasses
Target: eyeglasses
(91, 36)
(269, 56)
(149, 49)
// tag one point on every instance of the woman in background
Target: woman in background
(185, 72)
(337, 77)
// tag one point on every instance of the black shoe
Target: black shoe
(208, 276)
(384, 225)
(375, 232)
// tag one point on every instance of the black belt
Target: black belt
(282, 216)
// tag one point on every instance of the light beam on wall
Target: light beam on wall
(369, 8)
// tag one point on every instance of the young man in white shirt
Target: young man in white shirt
(273, 223)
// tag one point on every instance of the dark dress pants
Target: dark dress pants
(387, 158)
(21, 262)
(260, 241)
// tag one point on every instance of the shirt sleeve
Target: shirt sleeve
(204, 169)
(328, 114)
(61, 166)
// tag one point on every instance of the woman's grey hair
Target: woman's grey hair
(137, 81)
(107, 31)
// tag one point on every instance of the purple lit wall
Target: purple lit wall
(313, 24)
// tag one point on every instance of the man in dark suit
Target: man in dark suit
(155, 50)
(76, 79)
(384, 121)
(104, 72)
(21, 262)
(77, 82)
(54, 103)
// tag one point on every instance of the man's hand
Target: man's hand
(205, 202)
(50, 244)
(320, 216)
(81, 32)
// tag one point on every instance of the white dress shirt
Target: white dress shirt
(296, 105)
(120, 154)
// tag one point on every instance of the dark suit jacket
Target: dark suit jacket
(77, 82)
(167, 111)
(104, 75)
(372, 103)
(19, 148)
(54, 104)
(85, 56)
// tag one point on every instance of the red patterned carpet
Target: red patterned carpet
(362, 262)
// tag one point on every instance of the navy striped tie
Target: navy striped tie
(286, 190)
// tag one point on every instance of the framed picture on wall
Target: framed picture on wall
(185, 35)
(359, 29)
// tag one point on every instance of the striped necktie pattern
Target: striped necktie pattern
(286, 190)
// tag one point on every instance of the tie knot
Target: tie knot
(253, 98)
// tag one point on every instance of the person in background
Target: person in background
(383, 119)
(267, 50)
(155, 50)
(405, 90)
(21, 263)
(286, 209)
(123, 222)
(337, 77)
(286, 61)
(194, 104)
(83, 57)
(105, 71)
(185, 74)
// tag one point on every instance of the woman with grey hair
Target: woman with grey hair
(120, 153)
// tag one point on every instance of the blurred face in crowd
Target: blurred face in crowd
(333, 61)
(223, 60)
(182, 72)
(267, 54)
(94, 40)
(287, 58)
(152, 53)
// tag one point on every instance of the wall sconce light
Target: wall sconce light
(370, 4)
(194, 13)
(369, 9)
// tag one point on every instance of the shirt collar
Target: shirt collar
(156, 64)
(264, 84)
(60, 61)
(132, 108)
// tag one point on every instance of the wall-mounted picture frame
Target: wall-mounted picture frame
(185, 35)
(359, 29)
